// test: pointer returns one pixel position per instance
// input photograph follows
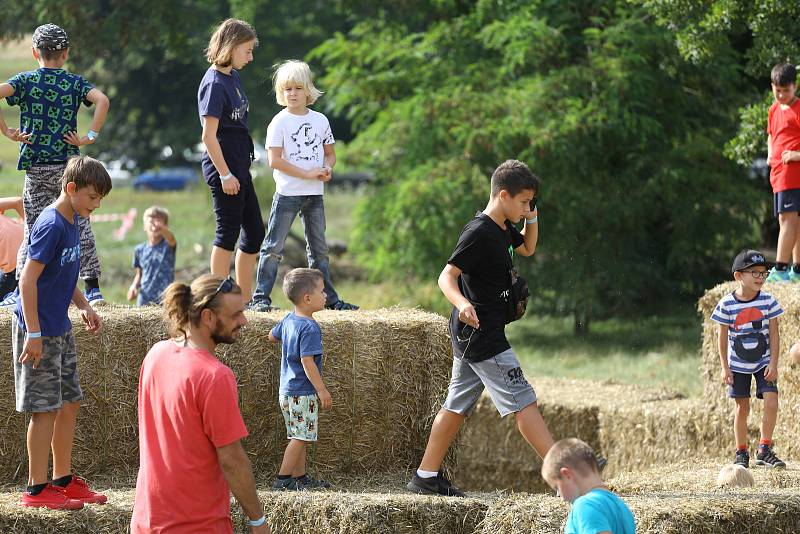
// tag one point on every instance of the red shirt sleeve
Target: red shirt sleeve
(219, 408)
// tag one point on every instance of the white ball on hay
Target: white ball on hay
(794, 354)
(734, 475)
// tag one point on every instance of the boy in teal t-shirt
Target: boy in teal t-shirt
(570, 468)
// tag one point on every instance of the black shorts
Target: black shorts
(741, 385)
(786, 201)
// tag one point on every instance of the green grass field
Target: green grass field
(649, 351)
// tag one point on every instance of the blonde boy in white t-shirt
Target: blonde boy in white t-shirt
(302, 156)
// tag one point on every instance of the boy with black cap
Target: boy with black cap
(49, 98)
(749, 346)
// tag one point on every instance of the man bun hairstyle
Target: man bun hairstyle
(228, 35)
(184, 303)
(573, 453)
(783, 74)
(86, 171)
(513, 176)
(299, 282)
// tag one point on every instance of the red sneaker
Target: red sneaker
(79, 490)
(51, 497)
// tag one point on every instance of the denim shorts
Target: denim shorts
(54, 382)
(300, 413)
(741, 385)
(501, 375)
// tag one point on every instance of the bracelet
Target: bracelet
(92, 135)
(257, 522)
(531, 221)
(34, 335)
(226, 177)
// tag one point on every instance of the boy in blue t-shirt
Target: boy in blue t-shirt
(570, 468)
(302, 391)
(153, 260)
(49, 99)
(45, 359)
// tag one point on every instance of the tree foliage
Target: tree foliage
(638, 200)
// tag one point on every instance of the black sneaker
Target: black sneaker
(742, 458)
(437, 485)
(341, 305)
(767, 458)
(311, 482)
(287, 484)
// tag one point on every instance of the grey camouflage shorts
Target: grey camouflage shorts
(54, 382)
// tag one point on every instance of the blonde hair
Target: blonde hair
(183, 304)
(570, 452)
(300, 282)
(157, 212)
(734, 475)
(228, 35)
(294, 71)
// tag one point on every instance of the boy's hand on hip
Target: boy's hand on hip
(789, 155)
(230, 186)
(771, 373)
(74, 139)
(31, 352)
(727, 377)
(17, 135)
(91, 319)
(325, 399)
(468, 315)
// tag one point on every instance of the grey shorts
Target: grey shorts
(54, 382)
(502, 377)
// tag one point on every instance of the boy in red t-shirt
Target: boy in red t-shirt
(783, 151)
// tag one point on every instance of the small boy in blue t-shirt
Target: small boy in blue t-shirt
(153, 260)
(570, 468)
(302, 391)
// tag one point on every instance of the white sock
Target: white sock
(426, 474)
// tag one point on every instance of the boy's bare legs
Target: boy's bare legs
(770, 415)
(444, 430)
(295, 451)
(740, 420)
(300, 466)
(40, 434)
(63, 439)
(533, 428)
(245, 271)
(221, 261)
(787, 236)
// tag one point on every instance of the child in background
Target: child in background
(11, 232)
(302, 391)
(301, 154)
(153, 260)
(749, 346)
(49, 99)
(570, 468)
(43, 346)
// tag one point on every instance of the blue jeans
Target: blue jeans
(281, 216)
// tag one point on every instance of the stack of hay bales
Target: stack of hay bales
(787, 432)
(386, 371)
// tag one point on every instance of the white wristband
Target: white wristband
(226, 177)
(531, 221)
(34, 335)
(257, 522)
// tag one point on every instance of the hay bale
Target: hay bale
(387, 371)
(787, 431)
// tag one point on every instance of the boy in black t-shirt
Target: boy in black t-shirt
(477, 280)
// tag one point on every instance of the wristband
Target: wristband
(34, 335)
(531, 221)
(226, 177)
(92, 135)
(257, 522)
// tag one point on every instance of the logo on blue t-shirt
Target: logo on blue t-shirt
(68, 255)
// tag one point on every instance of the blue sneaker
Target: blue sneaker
(794, 276)
(94, 296)
(778, 276)
(10, 300)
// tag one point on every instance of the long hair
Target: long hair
(228, 35)
(183, 304)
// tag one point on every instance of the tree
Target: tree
(638, 200)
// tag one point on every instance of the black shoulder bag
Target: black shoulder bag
(517, 296)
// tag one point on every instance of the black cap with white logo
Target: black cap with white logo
(750, 258)
(50, 37)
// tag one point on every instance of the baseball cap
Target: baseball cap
(749, 258)
(50, 37)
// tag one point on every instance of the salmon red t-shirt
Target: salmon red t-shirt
(188, 406)
(784, 127)
(10, 240)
